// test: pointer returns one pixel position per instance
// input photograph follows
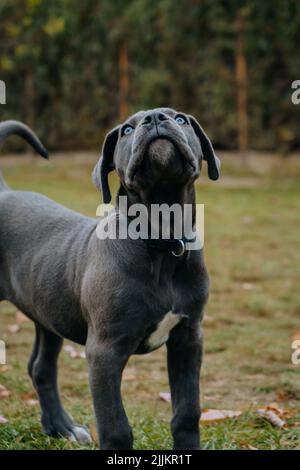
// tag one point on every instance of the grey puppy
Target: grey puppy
(117, 297)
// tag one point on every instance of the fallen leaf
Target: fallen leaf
(74, 353)
(209, 321)
(4, 393)
(250, 447)
(272, 413)
(3, 420)
(129, 377)
(165, 396)
(93, 432)
(247, 286)
(208, 318)
(209, 416)
(247, 219)
(272, 417)
(295, 336)
(282, 395)
(29, 394)
(13, 328)
(21, 318)
(275, 407)
(31, 402)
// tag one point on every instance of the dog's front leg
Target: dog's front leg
(106, 363)
(184, 360)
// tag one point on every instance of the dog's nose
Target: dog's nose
(154, 117)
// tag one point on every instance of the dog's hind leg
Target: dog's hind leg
(35, 351)
(43, 370)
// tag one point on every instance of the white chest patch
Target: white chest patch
(161, 334)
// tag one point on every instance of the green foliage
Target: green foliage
(59, 59)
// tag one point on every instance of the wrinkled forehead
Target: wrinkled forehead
(137, 117)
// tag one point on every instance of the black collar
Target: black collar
(175, 246)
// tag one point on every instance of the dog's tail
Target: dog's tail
(8, 128)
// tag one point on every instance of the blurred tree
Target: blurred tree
(241, 83)
(73, 68)
(124, 80)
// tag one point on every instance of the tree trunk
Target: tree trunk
(242, 86)
(123, 81)
(29, 103)
(29, 99)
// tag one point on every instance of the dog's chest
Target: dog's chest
(161, 334)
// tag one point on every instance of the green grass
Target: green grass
(252, 241)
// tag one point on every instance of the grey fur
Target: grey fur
(110, 295)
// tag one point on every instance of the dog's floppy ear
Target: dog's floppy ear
(213, 163)
(106, 164)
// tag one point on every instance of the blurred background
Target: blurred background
(74, 68)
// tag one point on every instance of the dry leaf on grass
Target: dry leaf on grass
(3, 420)
(247, 286)
(31, 402)
(13, 328)
(275, 407)
(208, 319)
(274, 415)
(165, 396)
(272, 418)
(30, 398)
(282, 395)
(129, 377)
(247, 219)
(93, 432)
(4, 393)
(21, 318)
(295, 336)
(74, 353)
(129, 374)
(250, 447)
(209, 416)
(271, 413)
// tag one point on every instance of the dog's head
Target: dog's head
(159, 145)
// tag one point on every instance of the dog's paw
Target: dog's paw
(63, 426)
(81, 435)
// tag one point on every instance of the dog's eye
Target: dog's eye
(127, 130)
(180, 120)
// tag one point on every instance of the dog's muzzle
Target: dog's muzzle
(148, 133)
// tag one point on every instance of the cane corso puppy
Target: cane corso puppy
(117, 297)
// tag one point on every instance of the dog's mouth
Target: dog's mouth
(162, 151)
(162, 154)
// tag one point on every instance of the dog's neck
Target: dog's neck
(164, 263)
(183, 196)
